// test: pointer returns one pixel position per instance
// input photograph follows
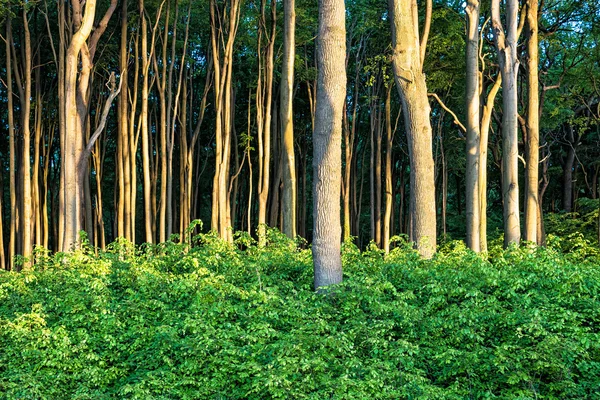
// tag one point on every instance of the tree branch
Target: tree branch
(456, 120)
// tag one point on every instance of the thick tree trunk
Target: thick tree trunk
(287, 126)
(533, 125)
(506, 46)
(331, 53)
(410, 81)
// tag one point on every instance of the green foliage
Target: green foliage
(215, 322)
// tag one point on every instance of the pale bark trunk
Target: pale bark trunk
(509, 65)
(124, 206)
(331, 53)
(387, 218)
(413, 92)
(533, 125)
(287, 126)
(26, 158)
(223, 33)
(11, 138)
(473, 195)
(263, 104)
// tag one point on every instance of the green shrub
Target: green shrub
(221, 321)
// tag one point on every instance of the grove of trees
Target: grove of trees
(431, 119)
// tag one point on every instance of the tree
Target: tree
(533, 125)
(506, 46)
(408, 56)
(473, 132)
(327, 174)
(287, 125)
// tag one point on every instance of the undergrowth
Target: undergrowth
(220, 321)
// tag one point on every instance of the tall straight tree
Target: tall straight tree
(473, 128)
(532, 147)
(327, 142)
(14, 229)
(506, 46)
(78, 64)
(408, 57)
(264, 93)
(223, 33)
(287, 125)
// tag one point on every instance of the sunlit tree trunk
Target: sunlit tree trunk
(387, 218)
(11, 138)
(327, 174)
(407, 60)
(264, 93)
(533, 125)
(223, 32)
(473, 206)
(287, 125)
(506, 45)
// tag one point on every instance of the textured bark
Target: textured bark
(506, 45)
(331, 91)
(533, 125)
(73, 133)
(410, 81)
(473, 129)
(78, 65)
(287, 126)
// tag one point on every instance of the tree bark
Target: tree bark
(506, 46)
(533, 125)
(410, 80)
(473, 207)
(287, 126)
(331, 53)
(387, 219)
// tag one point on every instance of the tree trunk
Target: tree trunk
(533, 125)
(410, 80)
(387, 219)
(509, 67)
(287, 126)
(14, 231)
(473, 129)
(331, 92)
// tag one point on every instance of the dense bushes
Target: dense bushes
(216, 322)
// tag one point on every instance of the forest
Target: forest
(354, 199)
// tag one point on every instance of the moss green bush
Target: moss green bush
(215, 322)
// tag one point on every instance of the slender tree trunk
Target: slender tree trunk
(473, 197)
(509, 65)
(287, 126)
(387, 219)
(407, 64)
(124, 206)
(331, 53)
(533, 129)
(27, 240)
(264, 115)
(11, 138)
(483, 153)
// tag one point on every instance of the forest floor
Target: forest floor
(217, 321)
